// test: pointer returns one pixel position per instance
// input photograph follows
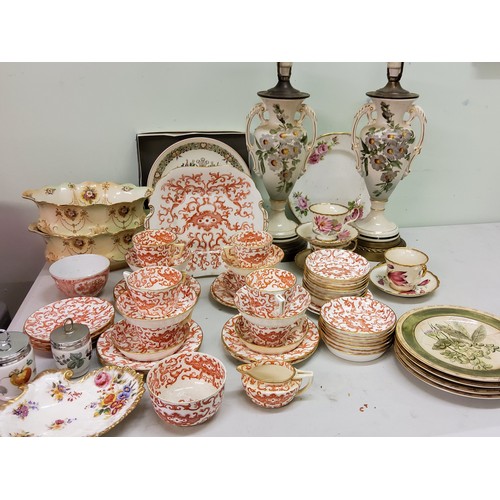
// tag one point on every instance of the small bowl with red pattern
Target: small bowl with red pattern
(187, 388)
(82, 275)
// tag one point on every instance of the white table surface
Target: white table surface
(377, 398)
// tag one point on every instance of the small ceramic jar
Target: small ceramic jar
(71, 347)
(17, 363)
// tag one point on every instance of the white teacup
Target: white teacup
(405, 267)
(330, 220)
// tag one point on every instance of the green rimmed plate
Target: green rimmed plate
(453, 340)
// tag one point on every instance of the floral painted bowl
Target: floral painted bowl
(53, 405)
(89, 208)
(187, 389)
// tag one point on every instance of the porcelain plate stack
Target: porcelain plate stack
(357, 328)
(331, 273)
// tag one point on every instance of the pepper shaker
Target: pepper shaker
(17, 363)
(71, 347)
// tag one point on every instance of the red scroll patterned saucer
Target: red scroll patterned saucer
(96, 313)
(206, 206)
(110, 355)
(234, 345)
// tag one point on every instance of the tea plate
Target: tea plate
(331, 176)
(52, 405)
(316, 308)
(378, 276)
(236, 348)
(195, 152)
(94, 312)
(109, 355)
(206, 206)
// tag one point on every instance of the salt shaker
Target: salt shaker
(71, 347)
(17, 363)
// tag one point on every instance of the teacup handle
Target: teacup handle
(281, 303)
(227, 251)
(180, 249)
(301, 375)
(126, 275)
(423, 271)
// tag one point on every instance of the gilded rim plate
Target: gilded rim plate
(195, 152)
(454, 340)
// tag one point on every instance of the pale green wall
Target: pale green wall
(77, 121)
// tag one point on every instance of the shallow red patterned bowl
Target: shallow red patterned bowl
(81, 275)
(187, 389)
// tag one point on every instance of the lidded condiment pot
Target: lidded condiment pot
(17, 363)
(71, 347)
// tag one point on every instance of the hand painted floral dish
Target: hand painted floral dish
(206, 207)
(108, 354)
(89, 208)
(331, 176)
(52, 405)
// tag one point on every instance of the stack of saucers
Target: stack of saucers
(331, 273)
(357, 328)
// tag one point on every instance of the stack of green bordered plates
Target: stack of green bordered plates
(451, 348)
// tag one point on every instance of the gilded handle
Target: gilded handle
(302, 374)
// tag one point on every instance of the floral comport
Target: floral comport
(115, 391)
(384, 149)
(281, 150)
(454, 342)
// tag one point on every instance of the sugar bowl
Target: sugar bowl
(71, 347)
(17, 363)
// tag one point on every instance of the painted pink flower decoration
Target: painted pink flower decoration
(302, 203)
(323, 224)
(102, 379)
(397, 277)
(322, 149)
(314, 158)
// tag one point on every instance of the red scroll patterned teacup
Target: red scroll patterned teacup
(155, 289)
(249, 246)
(157, 245)
(272, 285)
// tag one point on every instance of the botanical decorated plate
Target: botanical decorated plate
(53, 405)
(94, 312)
(195, 152)
(331, 176)
(455, 340)
(205, 207)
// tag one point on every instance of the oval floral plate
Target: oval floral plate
(453, 340)
(331, 176)
(195, 152)
(53, 405)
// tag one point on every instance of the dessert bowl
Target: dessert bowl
(81, 275)
(187, 389)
